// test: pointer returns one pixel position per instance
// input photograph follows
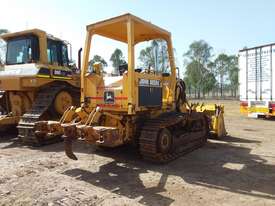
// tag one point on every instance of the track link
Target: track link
(42, 104)
(184, 139)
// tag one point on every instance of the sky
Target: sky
(226, 25)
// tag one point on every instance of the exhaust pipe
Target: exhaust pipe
(79, 58)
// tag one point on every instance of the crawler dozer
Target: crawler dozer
(145, 107)
(36, 82)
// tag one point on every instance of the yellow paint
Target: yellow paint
(215, 112)
(62, 102)
(243, 110)
(43, 76)
(21, 90)
(258, 110)
(123, 113)
(57, 77)
(6, 120)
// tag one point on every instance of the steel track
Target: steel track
(184, 140)
(43, 103)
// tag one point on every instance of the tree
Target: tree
(199, 51)
(211, 68)
(97, 58)
(146, 56)
(163, 56)
(155, 56)
(117, 59)
(233, 73)
(194, 71)
(222, 64)
(199, 78)
(209, 82)
(188, 84)
(197, 58)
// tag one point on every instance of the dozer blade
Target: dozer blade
(215, 114)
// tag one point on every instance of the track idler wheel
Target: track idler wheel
(165, 141)
(62, 102)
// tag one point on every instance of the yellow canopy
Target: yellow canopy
(116, 28)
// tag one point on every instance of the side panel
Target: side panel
(257, 79)
(273, 73)
(149, 93)
(265, 75)
(242, 75)
(251, 75)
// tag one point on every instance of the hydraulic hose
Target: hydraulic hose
(180, 93)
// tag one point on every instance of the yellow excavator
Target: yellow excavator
(37, 82)
(146, 107)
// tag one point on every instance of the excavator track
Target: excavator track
(184, 139)
(41, 106)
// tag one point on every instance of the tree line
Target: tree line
(153, 56)
(203, 73)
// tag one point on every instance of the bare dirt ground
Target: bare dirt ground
(237, 170)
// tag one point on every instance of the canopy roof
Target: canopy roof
(37, 32)
(116, 28)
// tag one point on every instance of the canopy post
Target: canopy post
(172, 65)
(85, 64)
(131, 64)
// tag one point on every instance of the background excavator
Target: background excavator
(36, 82)
(145, 107)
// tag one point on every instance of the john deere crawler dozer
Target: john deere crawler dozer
(36, 82)
(145, 107)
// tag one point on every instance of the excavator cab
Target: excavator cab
(146, 107)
